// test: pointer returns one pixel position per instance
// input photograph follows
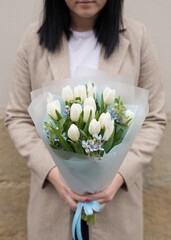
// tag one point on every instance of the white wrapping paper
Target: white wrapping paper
(81, 173)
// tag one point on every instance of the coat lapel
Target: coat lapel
(114, 63)
(59, 61)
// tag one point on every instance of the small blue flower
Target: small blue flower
(114, 116)
(64, 135)
(87, 150)
(119, 120)
(66, 111)
(91, 147)
(96, 147)
(97, 137)
(46, 132)
(56, 139)
(91, 142)
(100, 147)
(84, 144)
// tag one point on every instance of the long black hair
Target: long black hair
(56, 21)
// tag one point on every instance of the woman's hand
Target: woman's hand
(70, 197)
(108, 193)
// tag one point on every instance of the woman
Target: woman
(90, 33)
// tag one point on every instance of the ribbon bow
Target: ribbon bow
(88, 209)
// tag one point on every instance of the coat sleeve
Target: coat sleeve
(149, 136)
(18, 121)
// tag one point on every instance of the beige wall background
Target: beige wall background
(15, 16)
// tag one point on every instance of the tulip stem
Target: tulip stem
(85, 130)
(102, 103)
(105, 108)
(62, 141)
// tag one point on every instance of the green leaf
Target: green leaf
(118, 135)
(62, 141)
(67, 124)
(48, 124)
(78, 99)
(51, 135)
(86, 89)
(97, 116)
(93, 219)
(102, 131)
(101, 153)
(108, 145)
(117, 142)
(128, 121)
(83, 216)
(96, 154)
(54, 146)
(124, 127)
(77, 147)
(97, 105)
(85, 130)
(58, 115)
(105, 108)
(88, 220)
(55, 121)
(80, 121)
(60, 124)
(83, 134)
(102, 103)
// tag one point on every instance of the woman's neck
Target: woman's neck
(81, 24)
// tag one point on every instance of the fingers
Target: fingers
(68, 200)
(71, 198)
(96, 196)
(104, 196)
(78, 197)
(103, 206)
(64, 193)
(72, 204)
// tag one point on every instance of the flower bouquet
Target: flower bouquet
(88, 128)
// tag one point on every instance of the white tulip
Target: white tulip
(94, 127)
(109, 96)
(52, 106)
(91, 90)
(80, 91)
(67, 94)
(129, 114)
(90, 102)
(75, 112)
(73, 133)
(108, 131)
(107, 123)
(87, 110)
(105, 120)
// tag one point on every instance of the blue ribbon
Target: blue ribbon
(88, 207)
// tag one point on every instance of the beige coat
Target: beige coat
(48, 216)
